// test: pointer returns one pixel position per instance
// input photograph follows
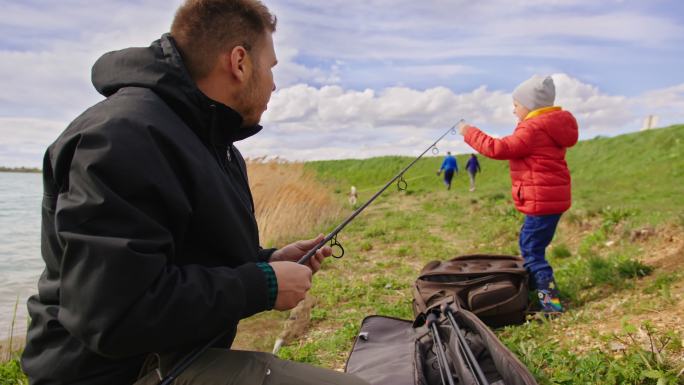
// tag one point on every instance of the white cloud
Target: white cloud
(665, 99)
(288, 72)
(613, 26)
(305, 122)
(439, 71)
(41, 84)
(48, 50)
(24, 140)
(437, 30)
(667, 104)
(596, 112)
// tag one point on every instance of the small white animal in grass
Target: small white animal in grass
(353, 196)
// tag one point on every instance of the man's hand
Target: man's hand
(294, 251)
(462, 127)
(294, 280)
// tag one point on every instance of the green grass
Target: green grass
(642, 171)
(11, 374)
(560, 251)
(553, 361)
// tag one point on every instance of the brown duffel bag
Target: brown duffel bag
(493, 287)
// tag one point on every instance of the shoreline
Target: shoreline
(25, 170)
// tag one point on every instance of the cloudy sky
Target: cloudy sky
(364, 78)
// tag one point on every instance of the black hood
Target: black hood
(160, 68)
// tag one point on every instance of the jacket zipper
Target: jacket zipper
(229, 156)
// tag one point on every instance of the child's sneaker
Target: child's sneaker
(549, 299)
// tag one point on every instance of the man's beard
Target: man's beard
(249, 110)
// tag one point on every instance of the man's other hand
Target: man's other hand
(294, 251)
(294, 280)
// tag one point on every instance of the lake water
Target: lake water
(20, 260)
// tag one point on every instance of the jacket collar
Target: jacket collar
(542, 111)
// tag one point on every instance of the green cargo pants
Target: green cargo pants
(236, 367)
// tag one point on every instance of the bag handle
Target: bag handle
(421, 317)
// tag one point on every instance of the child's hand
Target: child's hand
(462, 127)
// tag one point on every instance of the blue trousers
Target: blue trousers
(448, 176)
(535, 235)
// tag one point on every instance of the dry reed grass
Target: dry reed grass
(290, 203)
(12, 344)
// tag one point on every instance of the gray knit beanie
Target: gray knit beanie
(536, 92)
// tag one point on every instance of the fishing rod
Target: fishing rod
(332, 238)
(465, 348)
(188, 360)
(402, 185)
(440, 351)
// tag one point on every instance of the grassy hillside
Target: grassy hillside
(641, 171)
(618, 256)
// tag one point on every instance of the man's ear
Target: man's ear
(238, 63)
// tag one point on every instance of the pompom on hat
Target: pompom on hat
(536, 92)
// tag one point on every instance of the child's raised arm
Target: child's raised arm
(513, 146)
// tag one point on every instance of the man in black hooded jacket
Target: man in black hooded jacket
(148, 233)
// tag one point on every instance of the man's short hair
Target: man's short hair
(204, 28)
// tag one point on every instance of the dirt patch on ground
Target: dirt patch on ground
(258, 333)
(574, 229)
(644, 302)
(665, 248)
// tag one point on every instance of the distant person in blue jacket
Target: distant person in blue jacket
(449, 166)
(473, 167)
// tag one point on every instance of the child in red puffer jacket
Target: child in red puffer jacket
(539, 174)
